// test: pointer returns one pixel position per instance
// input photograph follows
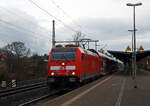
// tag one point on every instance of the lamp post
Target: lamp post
(132, 38)
(132, 59)
(134, 34)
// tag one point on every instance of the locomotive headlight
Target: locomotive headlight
(52, 73)
(63, 63)
(73, 73)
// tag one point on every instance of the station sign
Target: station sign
(141, 48)
(128, 49)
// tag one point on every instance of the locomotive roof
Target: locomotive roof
(126, 56)
(92, 52)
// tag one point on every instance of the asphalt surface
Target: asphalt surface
(112, 90)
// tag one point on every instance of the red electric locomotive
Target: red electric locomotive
(72, 65)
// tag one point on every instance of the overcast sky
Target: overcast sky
(104, 20)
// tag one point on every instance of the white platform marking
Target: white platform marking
(85, 92)
(121, 93)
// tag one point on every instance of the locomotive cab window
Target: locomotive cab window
(64, 54)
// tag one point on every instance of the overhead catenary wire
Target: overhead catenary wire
(48, 13)
(19, 29)
(65, 25)
(85, 33)
(22, 17)
(28, 42)
(56, 5)
(7, 35)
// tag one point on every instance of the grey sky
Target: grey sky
(107, 21)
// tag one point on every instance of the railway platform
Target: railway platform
(112, 90)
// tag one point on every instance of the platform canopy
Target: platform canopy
(126, 56)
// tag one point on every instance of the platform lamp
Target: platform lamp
(134, 34)
(132, 37)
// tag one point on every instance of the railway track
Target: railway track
(20, 94)
(29, 94)
(16, 90)
(52, 95)
(26, 94)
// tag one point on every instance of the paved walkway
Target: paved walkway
(113, 90)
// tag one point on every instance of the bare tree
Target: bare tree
(17, 48)
(77, 37)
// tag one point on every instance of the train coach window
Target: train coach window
(64, 54)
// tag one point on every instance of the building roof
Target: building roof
(127, 56)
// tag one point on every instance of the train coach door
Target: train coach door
(84, 66)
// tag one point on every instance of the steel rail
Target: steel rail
(16, 90)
